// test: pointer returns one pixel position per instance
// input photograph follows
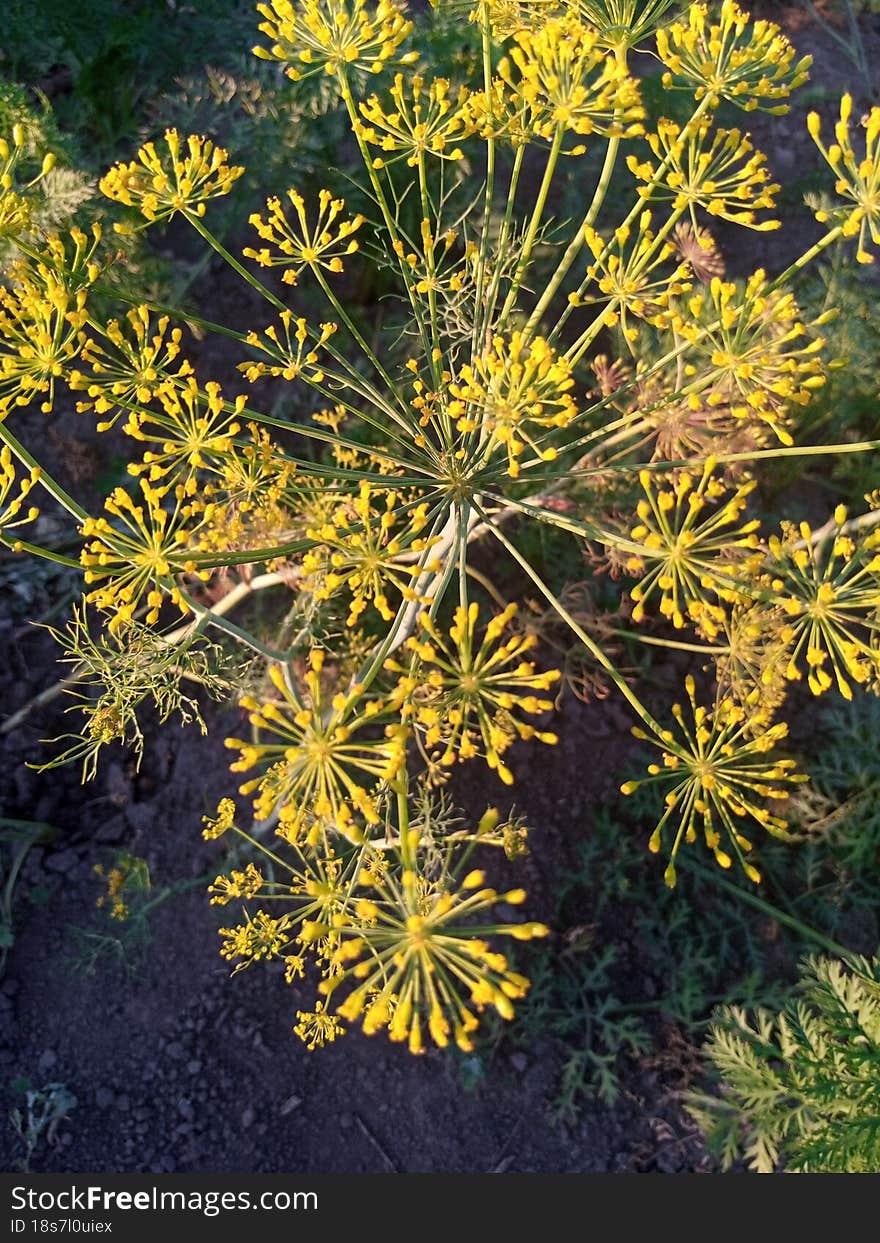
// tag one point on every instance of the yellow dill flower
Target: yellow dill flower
(312, 36)
(244, 884)
(323, 767)
(716, 169)
(189, 429)
(622, 271)
(290, 351)
(689, 545)
(323, 244)
(15, 204)
(752, 670)
(261, 937)
(751, 64)
(621, 24)
(751, 350)
(367, 547)
(469, 698)
(11, 503)
(858, 181)
(719, 772)
(317, 1028)
(180, 177)
(421, 120)
(830, 590)
(419, 963)
(221, 822)
(565, 78)
(129, 365)
(42, 315)
(506, 17)
(136, 557)
(513, 393)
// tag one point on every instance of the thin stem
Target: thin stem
(534, 225)
(242, 271)
(46, 481)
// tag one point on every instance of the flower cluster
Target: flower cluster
(323, 244)
(422, 120)
(858, 180)
(311, 36)
(719, 773)
(180, 177)
(468, 698)
(748, 63)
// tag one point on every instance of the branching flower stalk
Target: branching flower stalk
(488, 409)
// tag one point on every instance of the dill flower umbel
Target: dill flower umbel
(310, 36)
(828, 584)
(367, 547)
(322, 244)
(515, 393)
(858, 181)
(418, 963)
(136, 557)
(175, 178)
(291, 354)
(751, 350)
(135, 358)
(689, 554)
(704, 166)
(468, 698)
(323, 768)
(41, 331)
(719, 772)
(189, 430)
(421, 120)
(567, 81)
(626, 271)
(751, 64)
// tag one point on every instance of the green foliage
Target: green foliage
(801, 1087)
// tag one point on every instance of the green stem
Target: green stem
(577, 242)
(761, 904)
(46, 481)
(589, 643)
(34, 550)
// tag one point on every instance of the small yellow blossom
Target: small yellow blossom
(311, 36)
(858, 180)
(323, 244)
(179, 177)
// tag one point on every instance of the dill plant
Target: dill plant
(495, 408)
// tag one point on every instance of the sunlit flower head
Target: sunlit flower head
(421, 119)
(292, 352)
(719, 775)
(469, 697)
(858, 180)
(829, 589)
(322, 766)
(181, 175)
(751, 350)
(134, 359)
(133, 555)
(296, 245)
(751, 64)
(716, 169)
(330, 36)
(12, 497)
(516, 393)
(690, 538)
